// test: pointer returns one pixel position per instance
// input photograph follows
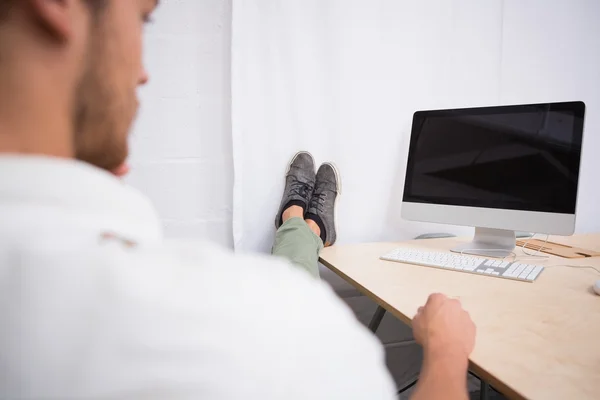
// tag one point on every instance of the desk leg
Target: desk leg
(376, 320)
(405, 388)
(373, 325)
(484, 393)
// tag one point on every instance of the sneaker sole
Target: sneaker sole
(290, 167)
(338, 179)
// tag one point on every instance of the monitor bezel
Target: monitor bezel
(419, 209)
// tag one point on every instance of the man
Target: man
(93, 304)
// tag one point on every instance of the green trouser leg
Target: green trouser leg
(295, 241)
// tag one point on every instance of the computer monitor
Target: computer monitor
(499, 169)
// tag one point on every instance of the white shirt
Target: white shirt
(93, 304)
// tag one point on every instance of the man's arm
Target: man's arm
(447, 335)
(443, 377)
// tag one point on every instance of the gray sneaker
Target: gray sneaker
(299, 184)
(322, 204)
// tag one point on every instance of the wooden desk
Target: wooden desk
(536, 340)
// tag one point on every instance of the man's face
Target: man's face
(106, 100)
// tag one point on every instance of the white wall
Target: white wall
(181, 143)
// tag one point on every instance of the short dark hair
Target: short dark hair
(7, 5)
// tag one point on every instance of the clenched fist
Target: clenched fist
(443, 326)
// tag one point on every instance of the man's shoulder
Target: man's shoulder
(254, 279)
(261, 302)
(198, 272)
(188, 310)
(249, 293)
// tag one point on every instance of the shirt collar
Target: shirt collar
(76, 186)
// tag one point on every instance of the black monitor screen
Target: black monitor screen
(523, 157)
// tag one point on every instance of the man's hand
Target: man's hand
(443, 327)
(447, 335)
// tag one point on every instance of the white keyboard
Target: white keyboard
(463, 263)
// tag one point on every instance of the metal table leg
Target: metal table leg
(484, 393)
(373, 326)
(376, 320)
(405, 388)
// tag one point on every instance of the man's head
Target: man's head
(89, 53)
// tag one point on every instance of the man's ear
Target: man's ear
(57, 16)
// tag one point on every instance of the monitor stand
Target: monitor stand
(488, 242)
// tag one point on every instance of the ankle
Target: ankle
(316, 220)
(293, 212)
(313, 227)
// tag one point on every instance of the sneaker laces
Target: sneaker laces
(318, 201)
(301, 189)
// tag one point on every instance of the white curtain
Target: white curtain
(342, 78)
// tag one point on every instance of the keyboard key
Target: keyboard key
(526, 272)
(509, 272)
(536, 271)
(519, 269)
